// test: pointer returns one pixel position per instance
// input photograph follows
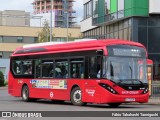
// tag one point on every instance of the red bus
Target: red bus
(96, 71)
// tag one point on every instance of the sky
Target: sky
(27, 6)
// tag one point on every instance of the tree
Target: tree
(1, 79)
(44, 35)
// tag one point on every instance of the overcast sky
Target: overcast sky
(27, 6)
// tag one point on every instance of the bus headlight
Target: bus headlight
(145, 91)
(109, 88)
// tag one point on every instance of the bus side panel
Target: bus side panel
(14, 86)
(48, 93)
(90, 93)
(54, 94)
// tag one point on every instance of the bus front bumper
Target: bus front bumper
(143, 98)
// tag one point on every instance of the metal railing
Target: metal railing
(155, 90)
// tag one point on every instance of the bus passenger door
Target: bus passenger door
(94, 65)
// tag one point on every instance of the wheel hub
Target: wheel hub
(77, 96)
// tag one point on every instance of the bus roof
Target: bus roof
(43, 48)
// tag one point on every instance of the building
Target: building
(14, 18)
(135, 20)
(12, 37)
(62, 10)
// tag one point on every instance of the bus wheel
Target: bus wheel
(114, 105)
(76, 97)
(25, 94)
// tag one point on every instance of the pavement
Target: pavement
(152, 100)
(3, 88)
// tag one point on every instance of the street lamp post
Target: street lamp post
(51, 21)
(67, 24)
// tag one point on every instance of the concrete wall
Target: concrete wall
(87, 24)
(15, 18)
(154, 6)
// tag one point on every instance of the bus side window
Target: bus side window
(23, 67)
(47, 67)
(61, 69)
(37, 68)
(94, 66)
(77, 68)
(16, 67)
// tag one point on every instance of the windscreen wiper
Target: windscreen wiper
(120, 81)
(139, 81)
(131, 71)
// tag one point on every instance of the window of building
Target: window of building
(85, 11)
(1, 39)
(121, 14)
(129, 33)
(120, 34)
(1, 54)
(103, 30)
(121, 25)
(120, 5)
(95, 8)
(126, 34)
(113, 16)
(126, 23)
(88, 10)
(107, 7)
(111, 28)
(116, 35)
(111, 35)
(19, 39)
(9, 39)
(108, 31)
(116, 26)
(6, 54)
(35, 39)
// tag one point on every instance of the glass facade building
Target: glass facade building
(128, 20)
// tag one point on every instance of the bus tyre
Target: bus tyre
(25, 94)
(114, 105)
(76, 97)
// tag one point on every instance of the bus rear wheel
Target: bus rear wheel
(76, 97)
(25, 94)
(114, 105)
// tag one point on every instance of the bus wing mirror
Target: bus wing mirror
(99, 52)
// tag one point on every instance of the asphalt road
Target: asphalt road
(9, 103)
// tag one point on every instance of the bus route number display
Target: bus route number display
(126, 52)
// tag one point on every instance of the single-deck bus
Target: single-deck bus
(106, 71)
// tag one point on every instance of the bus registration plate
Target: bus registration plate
(130, 99)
